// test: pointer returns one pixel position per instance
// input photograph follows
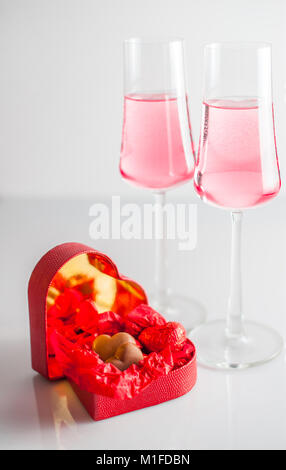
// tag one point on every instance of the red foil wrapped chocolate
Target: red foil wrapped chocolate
(75, 294)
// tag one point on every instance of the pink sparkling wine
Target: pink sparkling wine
(157, 148)
(237, 163)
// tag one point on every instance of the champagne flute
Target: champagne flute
(237, 168)
(157, 150)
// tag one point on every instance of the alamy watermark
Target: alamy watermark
(148, 221)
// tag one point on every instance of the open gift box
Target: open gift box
(75, 294)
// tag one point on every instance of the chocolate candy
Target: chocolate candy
(119, 350)
(156, 338)
(126, 355)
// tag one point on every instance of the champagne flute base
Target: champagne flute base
(218, 350)
(178, 308)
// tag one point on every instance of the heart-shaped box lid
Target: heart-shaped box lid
(80, 266)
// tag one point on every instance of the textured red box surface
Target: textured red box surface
(127, 294)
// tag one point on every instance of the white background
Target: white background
(60, 130)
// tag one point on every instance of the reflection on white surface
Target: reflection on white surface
(59, 410)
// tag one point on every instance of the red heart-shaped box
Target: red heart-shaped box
(114, 292)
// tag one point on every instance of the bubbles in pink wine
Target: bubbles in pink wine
(157, 148)
(237, 163)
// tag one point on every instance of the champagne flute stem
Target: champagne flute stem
(160, 250)
(234, 327)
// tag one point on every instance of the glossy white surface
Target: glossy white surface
(237, 410)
